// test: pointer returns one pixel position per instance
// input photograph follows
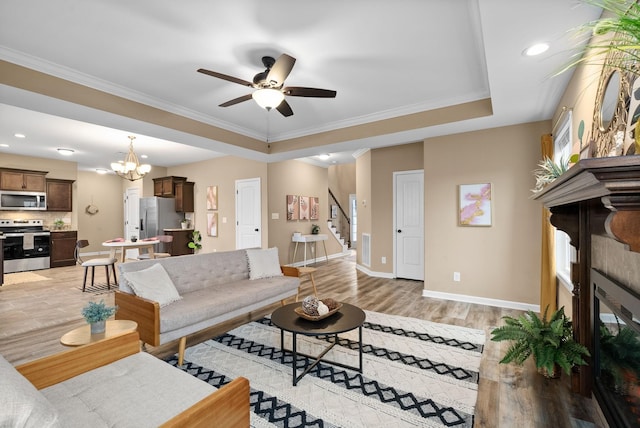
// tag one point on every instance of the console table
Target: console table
(306, 239)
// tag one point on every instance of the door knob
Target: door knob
(399, 230)
(256, 230)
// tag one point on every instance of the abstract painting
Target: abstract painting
(212, 224)
(304, 208)
(474, 208)
(212, 197)
(293, 208)
(314, 208)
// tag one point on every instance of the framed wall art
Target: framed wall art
(293, 207)
(212, 224)
(212, 198)
(314, 208)
(474, 204)
(304, 208)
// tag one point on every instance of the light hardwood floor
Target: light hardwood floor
(34, 315)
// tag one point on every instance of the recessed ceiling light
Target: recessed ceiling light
(144, 156)
(19, 135)
(536, 49)
(4, 145)
(324, 156)
(65, 152)
(101, 170)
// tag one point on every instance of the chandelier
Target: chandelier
(130, 167)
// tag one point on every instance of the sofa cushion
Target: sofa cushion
(215, 301)
(153, 283)
(136, 391)
(22, 404)
(263, 263)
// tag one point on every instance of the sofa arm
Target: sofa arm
(228, 407)
(57, 368)
(143, 311)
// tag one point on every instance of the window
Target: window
(565, 253)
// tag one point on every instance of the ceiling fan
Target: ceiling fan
(269, 84)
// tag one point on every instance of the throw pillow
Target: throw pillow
(263, 263)
(22, 404)
(153, 283)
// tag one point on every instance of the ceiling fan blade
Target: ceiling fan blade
(236, 100)
(280, 70)
(225, 77)
(297, 91)
(285, 109)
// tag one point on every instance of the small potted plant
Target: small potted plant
(97, 314)
(550, 341)
(195, 241)
(184, 223)
(58, 224)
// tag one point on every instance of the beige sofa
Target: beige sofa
(110, 383)
(210, 288)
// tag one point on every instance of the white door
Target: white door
(353, 211)
(132, 217)
(248, 214)
(409, 224)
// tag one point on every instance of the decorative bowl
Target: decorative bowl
(306, 316)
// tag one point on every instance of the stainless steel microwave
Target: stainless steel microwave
(23, 201)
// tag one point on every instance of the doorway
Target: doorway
(353, 227)
(408, 189)
(132, 217)
(248, 214)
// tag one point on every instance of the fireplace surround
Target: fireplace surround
(597, 203)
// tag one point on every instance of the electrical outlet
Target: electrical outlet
(456, 276)
(384, 260)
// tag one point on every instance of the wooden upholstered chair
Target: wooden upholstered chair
(92, 263)
(162, 238)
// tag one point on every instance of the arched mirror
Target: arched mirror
(609, 100)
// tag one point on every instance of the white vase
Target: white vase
(185, 225)
(98, 327)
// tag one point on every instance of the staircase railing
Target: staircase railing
(347, 235)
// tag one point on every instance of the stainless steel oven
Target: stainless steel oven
(26, 245)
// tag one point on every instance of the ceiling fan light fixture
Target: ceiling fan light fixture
(268, 98)
(130, 168)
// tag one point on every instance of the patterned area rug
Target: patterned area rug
(416, 374)
(21, 277)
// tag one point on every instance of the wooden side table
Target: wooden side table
(82, 335)
(307, 270)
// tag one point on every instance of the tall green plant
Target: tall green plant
(549, 341)
(623, 23)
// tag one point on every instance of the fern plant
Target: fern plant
(549, 340)
(619, 353)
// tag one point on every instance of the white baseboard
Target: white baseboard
(320, 259)
(481, 300)
(387, 275)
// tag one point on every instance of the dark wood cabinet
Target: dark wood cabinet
(17, 179)
(63, 245)
(184, 197)
(181, 239)
(166, 186)
(59, 195)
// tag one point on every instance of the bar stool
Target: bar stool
(306, 270)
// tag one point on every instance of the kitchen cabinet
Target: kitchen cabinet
(181, 239)
(18, 179)
(166, 186)
(184, 197)
(59, 195)
(63, 245)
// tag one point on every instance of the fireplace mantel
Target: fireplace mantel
(615, 181)
(598, 196)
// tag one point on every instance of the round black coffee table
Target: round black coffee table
(348, 318)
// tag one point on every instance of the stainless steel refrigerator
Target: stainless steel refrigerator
(157, 214)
